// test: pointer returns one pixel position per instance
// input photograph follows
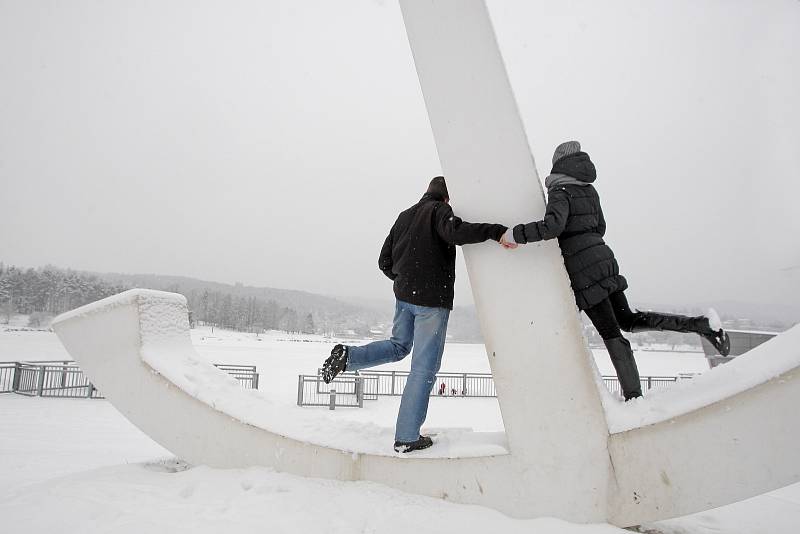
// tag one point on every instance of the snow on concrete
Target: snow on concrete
(131, 488)
(766, 362)
(164, 345)
(192, 373)
(79, 466)
(280, 357)
(76, 465)
(777, 512)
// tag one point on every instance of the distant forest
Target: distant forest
(47, 291)
(44, 292)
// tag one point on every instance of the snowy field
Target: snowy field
(78, 466)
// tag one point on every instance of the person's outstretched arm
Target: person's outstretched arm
(555, 219)
(457, 232)
(385, 261)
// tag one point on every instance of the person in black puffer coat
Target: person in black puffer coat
(574, 217)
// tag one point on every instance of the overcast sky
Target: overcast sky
(273, 143)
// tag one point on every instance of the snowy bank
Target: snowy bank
(164, 344)
(766, 362)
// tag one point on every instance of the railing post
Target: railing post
(464, 385)
(649, 382)
(255, 380)
(300, 383)
(393, 375)
(332, 403)
(17, 376)
(89, 390)
(360, 391)
(40, 385)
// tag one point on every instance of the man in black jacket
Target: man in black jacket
(419, 255)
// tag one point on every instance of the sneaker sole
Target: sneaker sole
(412, 449)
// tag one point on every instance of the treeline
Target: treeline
(48, 291)
(249, 308)
(243, 313)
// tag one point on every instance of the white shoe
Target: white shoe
(713, 320)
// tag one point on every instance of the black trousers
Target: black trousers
(611, 315)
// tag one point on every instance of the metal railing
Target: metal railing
(65, 379)
(647, 382)
(344, 391)
(245, 374)
(392, 383)
(351, 389)
(8, 372)
(57, 379)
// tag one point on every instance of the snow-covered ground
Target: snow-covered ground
(280, 357)
(79, 466)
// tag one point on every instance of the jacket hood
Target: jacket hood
(578, 166)
(438, 186)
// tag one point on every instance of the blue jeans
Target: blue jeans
(424, 328)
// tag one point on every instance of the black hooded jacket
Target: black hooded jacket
(419, 253)
(575, 218)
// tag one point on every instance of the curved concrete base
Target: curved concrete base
(567, 456)
(136, 348)
(727, 435)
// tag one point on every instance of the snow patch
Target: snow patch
(758, 366)
(713, 320)
(167, 349)
(134, 499)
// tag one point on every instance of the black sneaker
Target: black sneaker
(335, 363)
(720, 340)
(407, 446)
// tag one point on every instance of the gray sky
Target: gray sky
(273, 143)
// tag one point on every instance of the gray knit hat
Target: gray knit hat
(566, 149)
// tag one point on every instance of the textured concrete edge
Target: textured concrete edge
(725, 452)
(105, 343)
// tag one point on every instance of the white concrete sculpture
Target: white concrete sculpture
(728, 435)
